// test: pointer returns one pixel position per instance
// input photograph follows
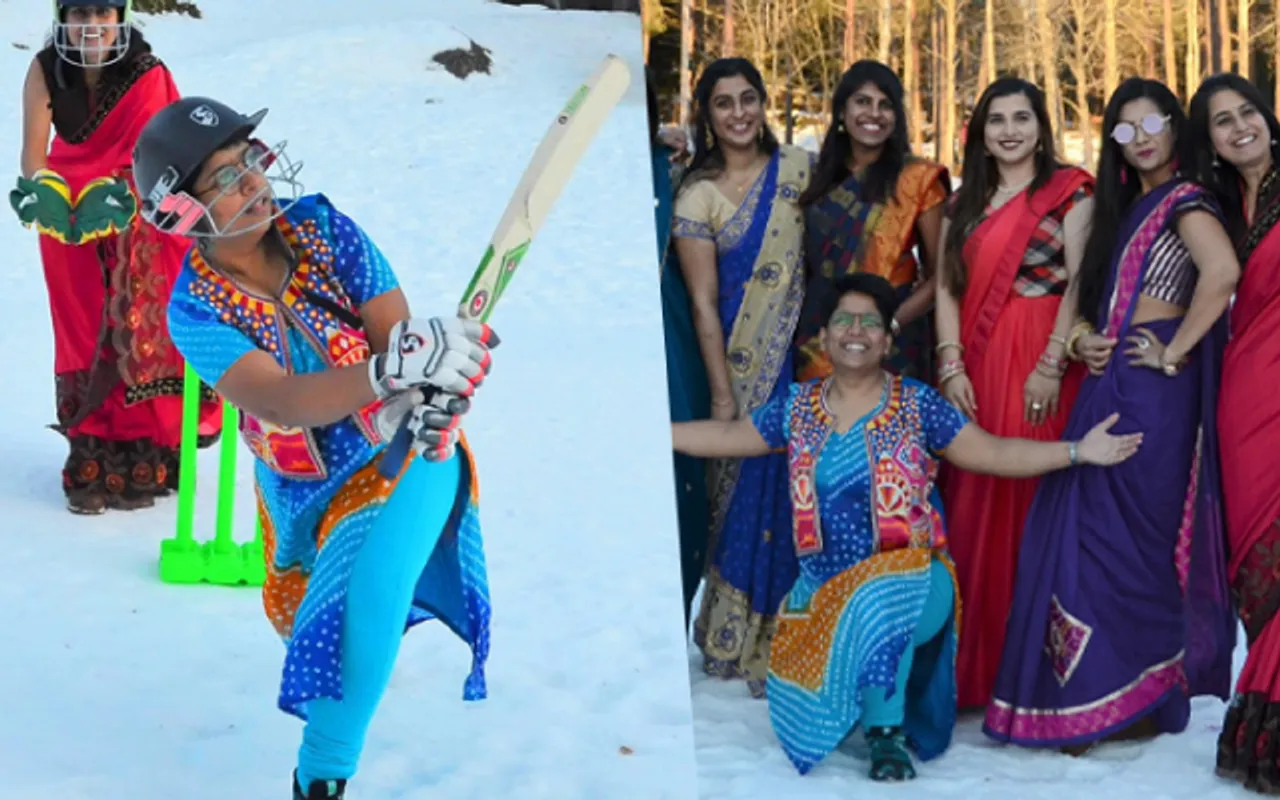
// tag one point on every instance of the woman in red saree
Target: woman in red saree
(1012, 241)
(118, 377)
(1236, 135)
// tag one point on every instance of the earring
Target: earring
(1217, 163)
(1124, 176)
(711, 140)
(760, 135)
(839, 126)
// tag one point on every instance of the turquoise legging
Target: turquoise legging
(877, 711)
(383, 578)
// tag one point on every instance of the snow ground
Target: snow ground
(114, 683)
(733, 731)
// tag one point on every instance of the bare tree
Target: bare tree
(1170, 53)
(1244, 54)
(1192, 60)
(1110, 55)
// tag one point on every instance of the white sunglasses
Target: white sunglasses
(1152, 124)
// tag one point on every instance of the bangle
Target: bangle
(1055, 338)
(1074, 453)
(944, 345)
(1079, 330)
(723, 403)
(949, 370)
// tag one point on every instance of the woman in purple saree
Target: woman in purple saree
(1121, 611)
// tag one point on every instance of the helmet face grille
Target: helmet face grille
(178, 140)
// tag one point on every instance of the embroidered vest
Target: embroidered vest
(315, 304)
(902, 472)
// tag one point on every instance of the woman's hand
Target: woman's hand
(1095, 351)
(449, 354)
(677, 140)
(1040, 397)
(1100, 448)
(959, 392)
(724, 409)
(1146, 349)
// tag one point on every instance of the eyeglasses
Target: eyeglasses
(257, 157)
(844, 320)
(1152, 124)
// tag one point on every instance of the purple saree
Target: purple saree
(1121, 608)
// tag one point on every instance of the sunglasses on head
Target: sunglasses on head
(1152, 124)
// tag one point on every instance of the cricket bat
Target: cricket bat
(544, 179)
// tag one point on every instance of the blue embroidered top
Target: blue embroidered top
(843, 471)
(203, 315)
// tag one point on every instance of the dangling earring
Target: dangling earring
(760, 135)
(1217, 163)
(1174, 164)
(711, 140)
(1124, 176)
(839, 126)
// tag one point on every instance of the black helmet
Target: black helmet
(172, 146)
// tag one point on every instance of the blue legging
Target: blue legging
(877, 711)
(383, 578)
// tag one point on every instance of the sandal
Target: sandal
(890, 760)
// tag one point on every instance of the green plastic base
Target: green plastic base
(186, 562)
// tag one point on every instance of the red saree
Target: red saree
(1249, 435)
(1003, 334)
(118, 375)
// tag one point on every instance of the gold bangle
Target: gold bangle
(944, 345)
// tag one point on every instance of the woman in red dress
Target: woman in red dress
(1012, 241)
(118, 377)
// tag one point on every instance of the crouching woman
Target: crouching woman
(866, 636)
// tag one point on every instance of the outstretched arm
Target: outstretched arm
(719, 439)
(975, 450)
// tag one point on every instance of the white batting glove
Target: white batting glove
(451, 355)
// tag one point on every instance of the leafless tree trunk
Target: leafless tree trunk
(988, 44)
(1078, 64)
(686, 49)
(850, 24)
(1110, 57)
(1049, 65)
(947, 128)
(1224, 34)
(727, 44)
(911, 74)
(1029, 39)
(1244, 35)
(1170, 55)
(885, 39)
(1192, 62)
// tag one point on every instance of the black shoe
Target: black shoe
(890, 760)
(320, 790)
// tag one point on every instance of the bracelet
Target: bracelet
(1074, 452)
(1055, 338)
(944, 345)
(949, 370)
(723, 403)
(1079, 330)
(1050, 367)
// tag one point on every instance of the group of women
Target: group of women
(165, 242)
(1029, 397)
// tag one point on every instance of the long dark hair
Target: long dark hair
(1118, 185)
(833, 159)
(708, 161)
(980, 175)
(1217, 174)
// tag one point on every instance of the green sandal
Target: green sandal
(890, 760)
